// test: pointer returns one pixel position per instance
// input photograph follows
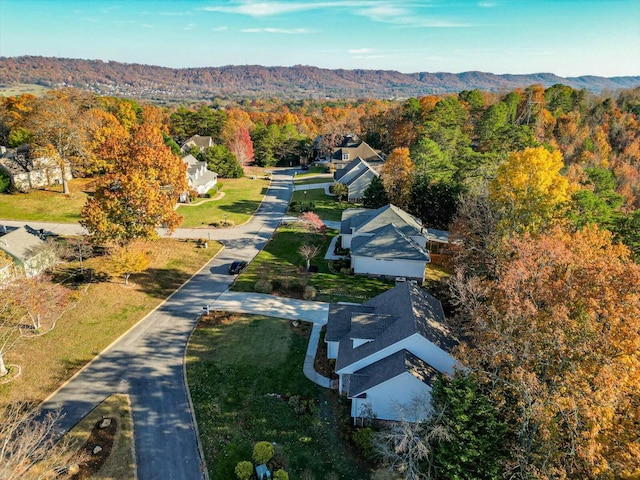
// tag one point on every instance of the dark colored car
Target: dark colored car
(305, 167)
(237, 266)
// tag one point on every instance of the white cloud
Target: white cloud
(223, 28)
(190, 26)
(360, 51)
(287, 31)
(487, 4)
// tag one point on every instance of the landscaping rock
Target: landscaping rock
(105, 423)
(97, 449)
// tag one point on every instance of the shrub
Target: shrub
(5, 181)
(244, 470)
(280, 475)
(364, 439)
(264, 286)
(262, 452)
(309, 293)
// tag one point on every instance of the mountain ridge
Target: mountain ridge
(299, 81)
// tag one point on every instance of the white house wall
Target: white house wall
(389, 267)
(416, 344)
(332, 349)
(359, 185)
(390, 398)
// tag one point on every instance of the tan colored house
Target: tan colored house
(28, 173)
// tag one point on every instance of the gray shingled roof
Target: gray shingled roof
(340, 323)
(369, 325)
(366, 220)
(417, 312)
(388, 368)
(347, 168)
(388, 242)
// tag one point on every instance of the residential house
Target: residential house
(385, 242)
(26, 247)
(198, 141)
(27, 173)
(201, 179)
(350, 149)
(389, 350)
(357, 176)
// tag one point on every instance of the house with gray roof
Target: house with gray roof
(352, 148)
(26, 247)
(389, 350)
(200, 178)
(385, 242)
(198, 141)
(357, 176)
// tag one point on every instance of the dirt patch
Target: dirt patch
(97, 448)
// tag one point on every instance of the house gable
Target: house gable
(24, 245)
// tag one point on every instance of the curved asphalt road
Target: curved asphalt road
(147, 362)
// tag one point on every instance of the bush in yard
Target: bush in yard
(309, 293)
(244, 470)
(364, 438)
(5, 181)
(262, 452)
(264, 286)
(280, 475)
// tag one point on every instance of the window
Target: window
(345, 156)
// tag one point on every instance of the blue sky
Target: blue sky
(566, 37)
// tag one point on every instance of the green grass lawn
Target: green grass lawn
(326, 206)
(102, 314)
(242, 372)
(314, 170)
(281, 263)
(312, 180)
(49, 205)
(242, 197)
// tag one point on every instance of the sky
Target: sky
(565, 37)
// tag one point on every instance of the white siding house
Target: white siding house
(389, 349)
(387, 241)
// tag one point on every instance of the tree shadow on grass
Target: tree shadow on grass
(159, 282)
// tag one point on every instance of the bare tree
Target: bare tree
(406, 446)
(308, 252)
(29, 449)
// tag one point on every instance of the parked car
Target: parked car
(304, 167)
(237, 266)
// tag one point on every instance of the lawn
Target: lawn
(313, 171)
(312, 180)
(242, 197)
(281, 263)
(326, 206)
(246, 382)
(107, 310)
(49, 205)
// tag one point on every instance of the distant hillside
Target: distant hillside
(160, 83)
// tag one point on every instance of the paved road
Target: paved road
(147, 362)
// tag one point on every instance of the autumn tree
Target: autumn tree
(529, 189)
(140, 192)
(340, 190)
(553, 334)
(127, 260)
(59, 127)
(241, 146)
(308, 252)
(397, 177)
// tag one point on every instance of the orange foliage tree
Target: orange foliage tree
(139, 193)
(397, 177)
(554, 334)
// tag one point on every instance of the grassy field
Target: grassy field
(326, 206)
(314, 170)
(280, 261)
(49, 205)
(20, 88)
(243, 372)
(242, 197)
(107, 310)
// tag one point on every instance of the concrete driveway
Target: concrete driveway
(272, 306)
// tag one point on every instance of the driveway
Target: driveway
(148, 361)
